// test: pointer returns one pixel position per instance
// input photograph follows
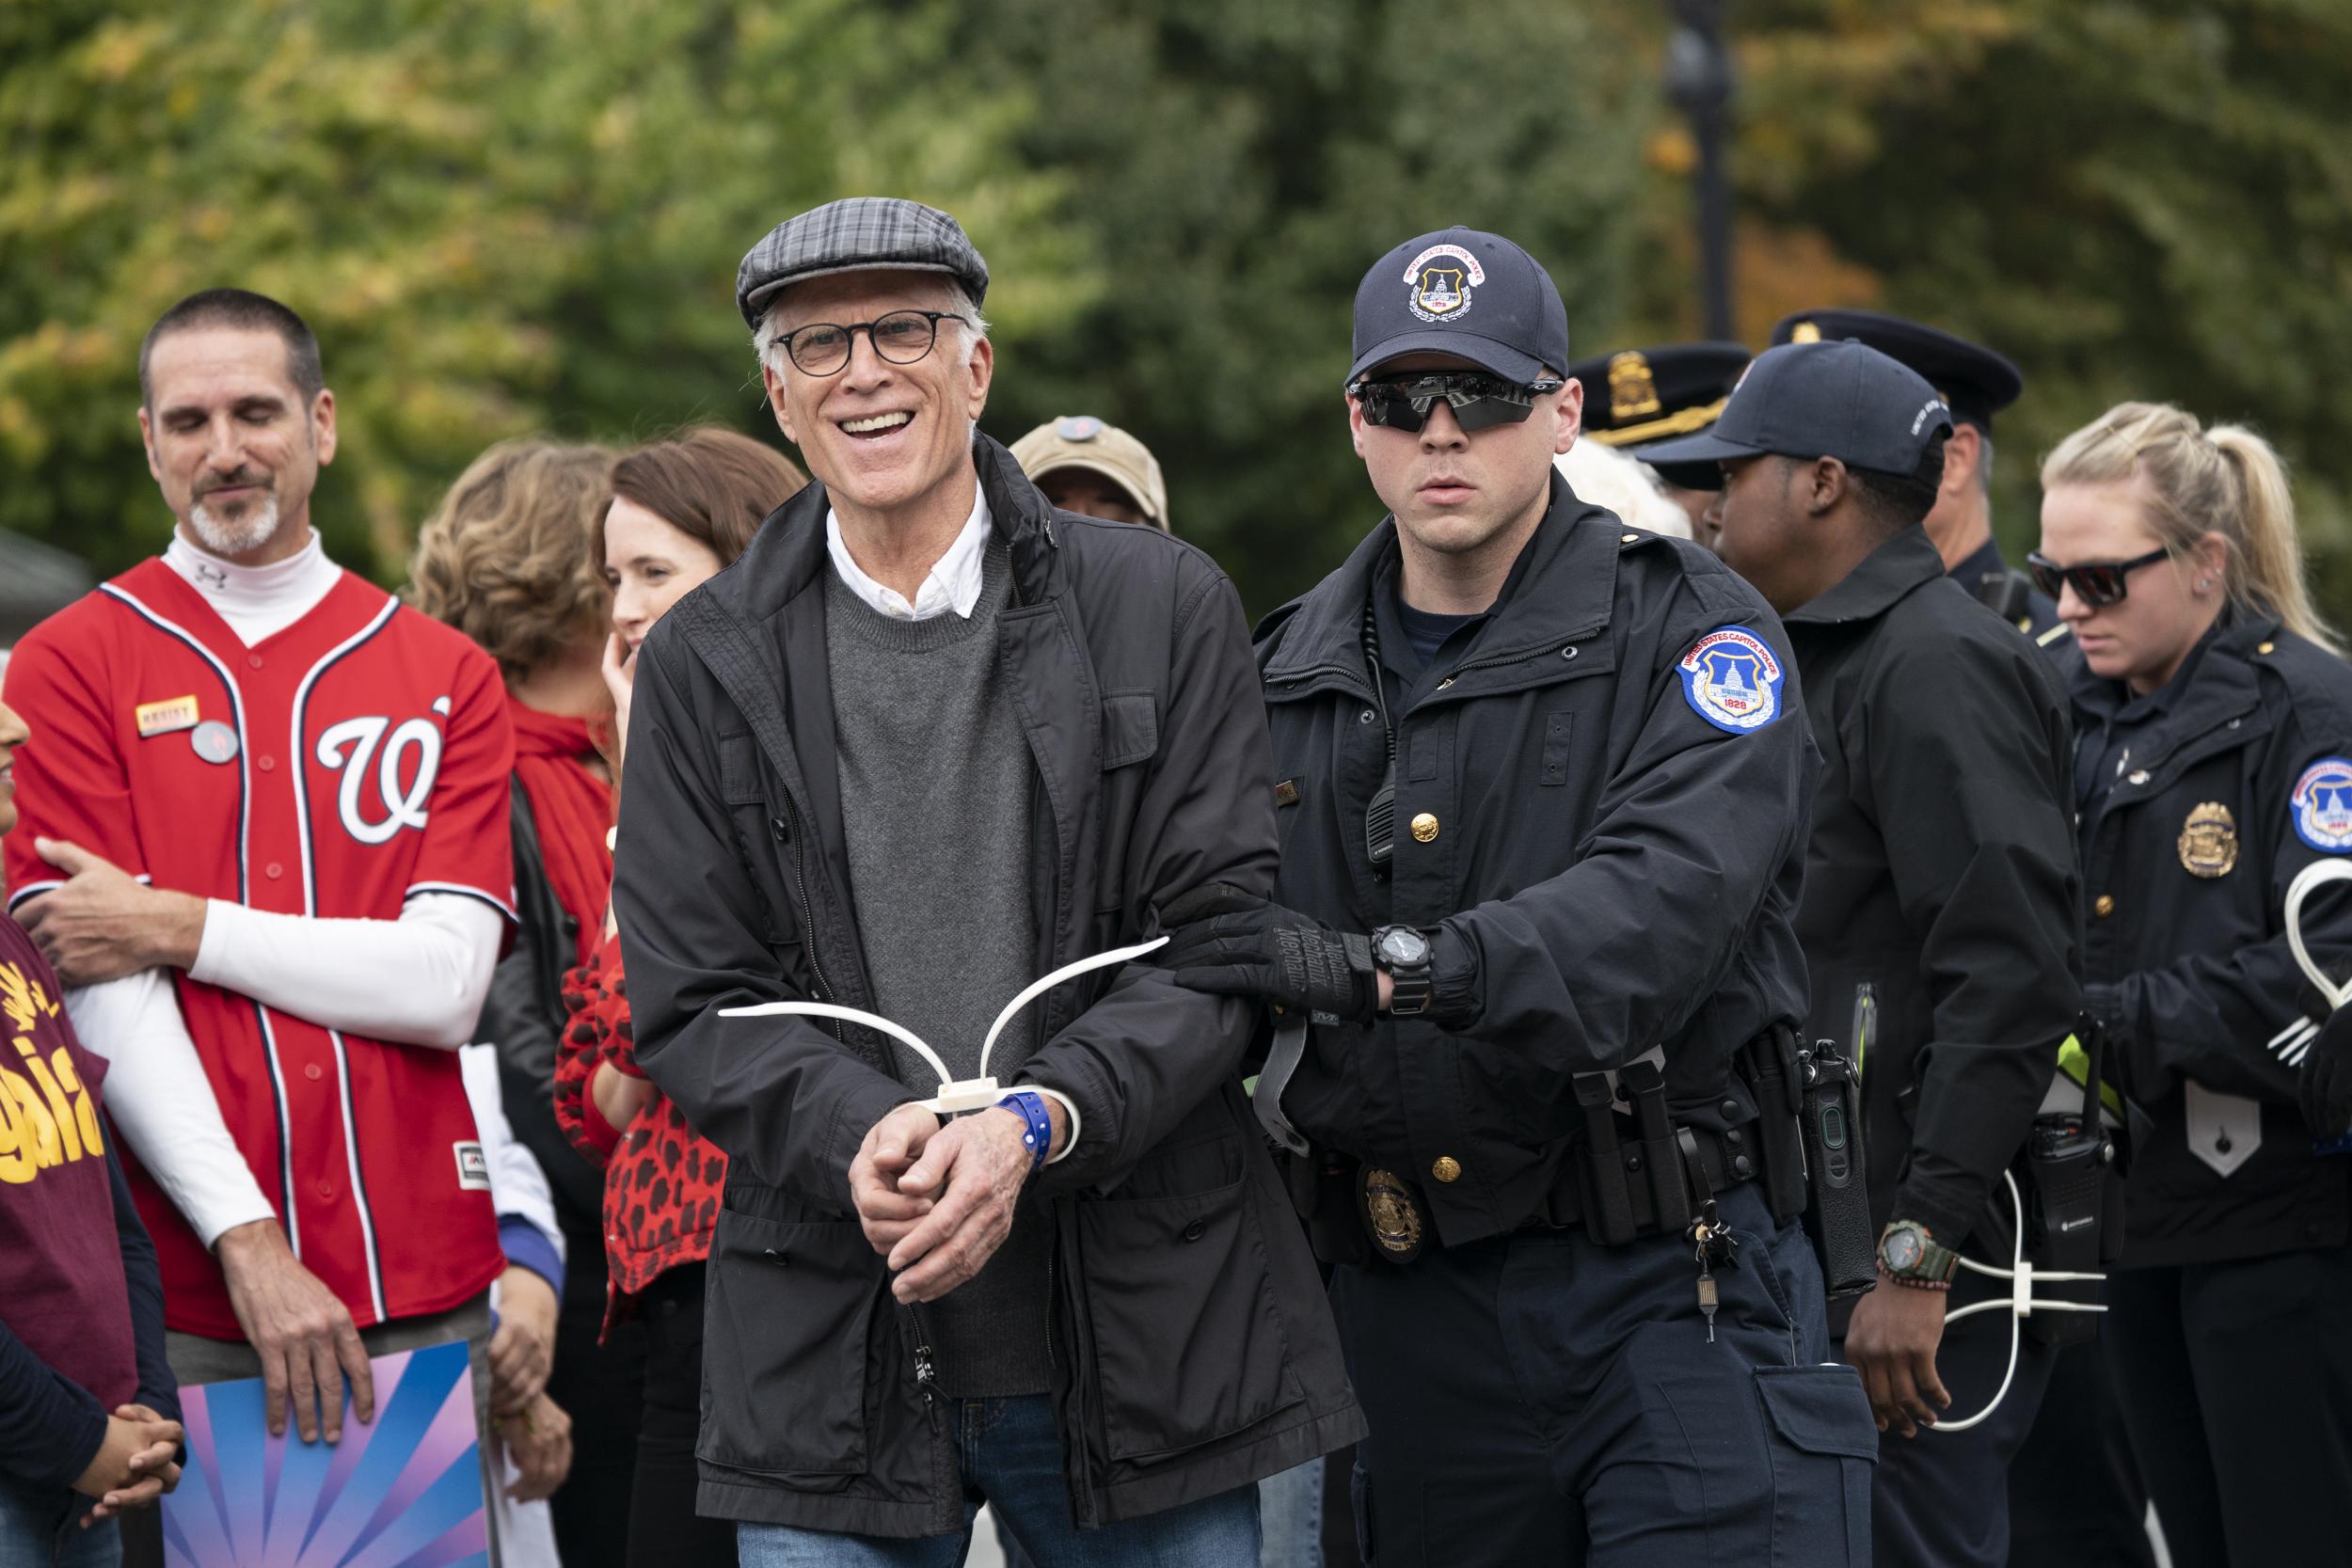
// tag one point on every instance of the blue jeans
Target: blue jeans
(41, 1528)
(1010, 1456)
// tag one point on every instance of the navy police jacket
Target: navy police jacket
(2195, 817)
(1940, 892)
(1600, 818)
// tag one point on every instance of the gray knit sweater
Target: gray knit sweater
(935, 776)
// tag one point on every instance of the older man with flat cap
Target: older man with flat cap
(926, 741)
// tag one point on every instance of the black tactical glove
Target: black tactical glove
(1236, 944)
(2325, 1081)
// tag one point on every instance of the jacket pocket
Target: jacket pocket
(786, 1354)
(1823, 1446)
(1188, 1345)
(1130, 728)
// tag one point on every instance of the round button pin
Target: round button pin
(215, 741)
(1424, 828)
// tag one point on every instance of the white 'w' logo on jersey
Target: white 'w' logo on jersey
(405, 808)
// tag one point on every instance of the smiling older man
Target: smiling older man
(926, 740)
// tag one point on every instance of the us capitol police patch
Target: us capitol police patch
(2209, 841)
(1732, 679)
(2321, 805)
(1442, 277)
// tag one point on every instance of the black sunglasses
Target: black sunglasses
(2097, 583)
(1478, 401)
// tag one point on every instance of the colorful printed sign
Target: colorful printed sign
(404, 1491)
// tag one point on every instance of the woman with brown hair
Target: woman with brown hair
(681, 510)
(505, 559)
(2213, 764)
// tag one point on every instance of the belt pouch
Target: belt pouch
(1645, 1087)
(1771, 1060)
(1608, 1210)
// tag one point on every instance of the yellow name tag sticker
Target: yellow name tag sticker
(164, 717)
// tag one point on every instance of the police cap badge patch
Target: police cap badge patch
(1732, 679)
(1442, 277)
(2322, 804)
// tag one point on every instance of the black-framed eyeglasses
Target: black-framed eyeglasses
(901, 337)
(1478, 401)
(2097, 583)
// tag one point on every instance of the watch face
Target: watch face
(1402, 944)
(1901, 1250)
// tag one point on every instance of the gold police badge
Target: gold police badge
(1632, 390)
(2209, 841)
(1391, 1213)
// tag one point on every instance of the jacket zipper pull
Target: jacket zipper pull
(925, 1375)
(775, 825)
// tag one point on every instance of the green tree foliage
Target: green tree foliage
(2132, 199)
(1238, 167)
(499, 215)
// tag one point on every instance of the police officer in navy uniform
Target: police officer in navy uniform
(1977, 384)
(1543, 787)
(1637, 398)
(2214, 712)
(1940, 920)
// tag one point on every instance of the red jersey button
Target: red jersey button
(273, 871)
(253, 659)
(314, 1072)
(265, 763)
(326, 1190)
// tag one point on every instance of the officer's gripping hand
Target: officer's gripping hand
(1235, 944)
(2325, 1083)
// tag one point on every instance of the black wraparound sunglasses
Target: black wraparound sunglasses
(2097, 583)
(1478, 401)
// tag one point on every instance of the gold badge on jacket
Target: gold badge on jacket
(2209, 841)
(1391, 1213)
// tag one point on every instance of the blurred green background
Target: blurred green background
(509, 215)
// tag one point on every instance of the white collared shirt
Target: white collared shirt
(954, 583)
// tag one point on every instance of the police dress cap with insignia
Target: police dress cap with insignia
(1638, 397)
(1465, 293)
(1083, 442)
(1841, 400)
(1975, 381)
(851, 235)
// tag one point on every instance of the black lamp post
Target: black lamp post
(1698, 80)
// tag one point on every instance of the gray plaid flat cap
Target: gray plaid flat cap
(850, 235)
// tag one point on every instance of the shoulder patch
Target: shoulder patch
(2322, 804)
(1732, 679)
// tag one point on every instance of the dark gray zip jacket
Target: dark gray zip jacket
(1192, 1349)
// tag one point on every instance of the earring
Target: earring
(2204, 582)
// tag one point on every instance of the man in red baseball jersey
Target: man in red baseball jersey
(265, 847)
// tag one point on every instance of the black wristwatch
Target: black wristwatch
(1402, 953)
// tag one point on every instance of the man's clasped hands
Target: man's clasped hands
(936, 1199)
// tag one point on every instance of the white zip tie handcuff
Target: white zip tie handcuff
(2289, 1044)
(960, 1095)
(2021, 1303)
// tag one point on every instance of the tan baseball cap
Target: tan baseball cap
(1083, 442)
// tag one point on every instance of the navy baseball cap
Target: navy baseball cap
(1842, 400)
(1464, 293)
(1976, 382)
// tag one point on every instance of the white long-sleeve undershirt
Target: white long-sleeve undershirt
(418, 980)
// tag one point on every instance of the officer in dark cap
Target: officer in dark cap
(1638, 397)
(1542, 789)
(1939, 920)
(1976, 384)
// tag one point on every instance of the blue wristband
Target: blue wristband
(1031, 1107)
